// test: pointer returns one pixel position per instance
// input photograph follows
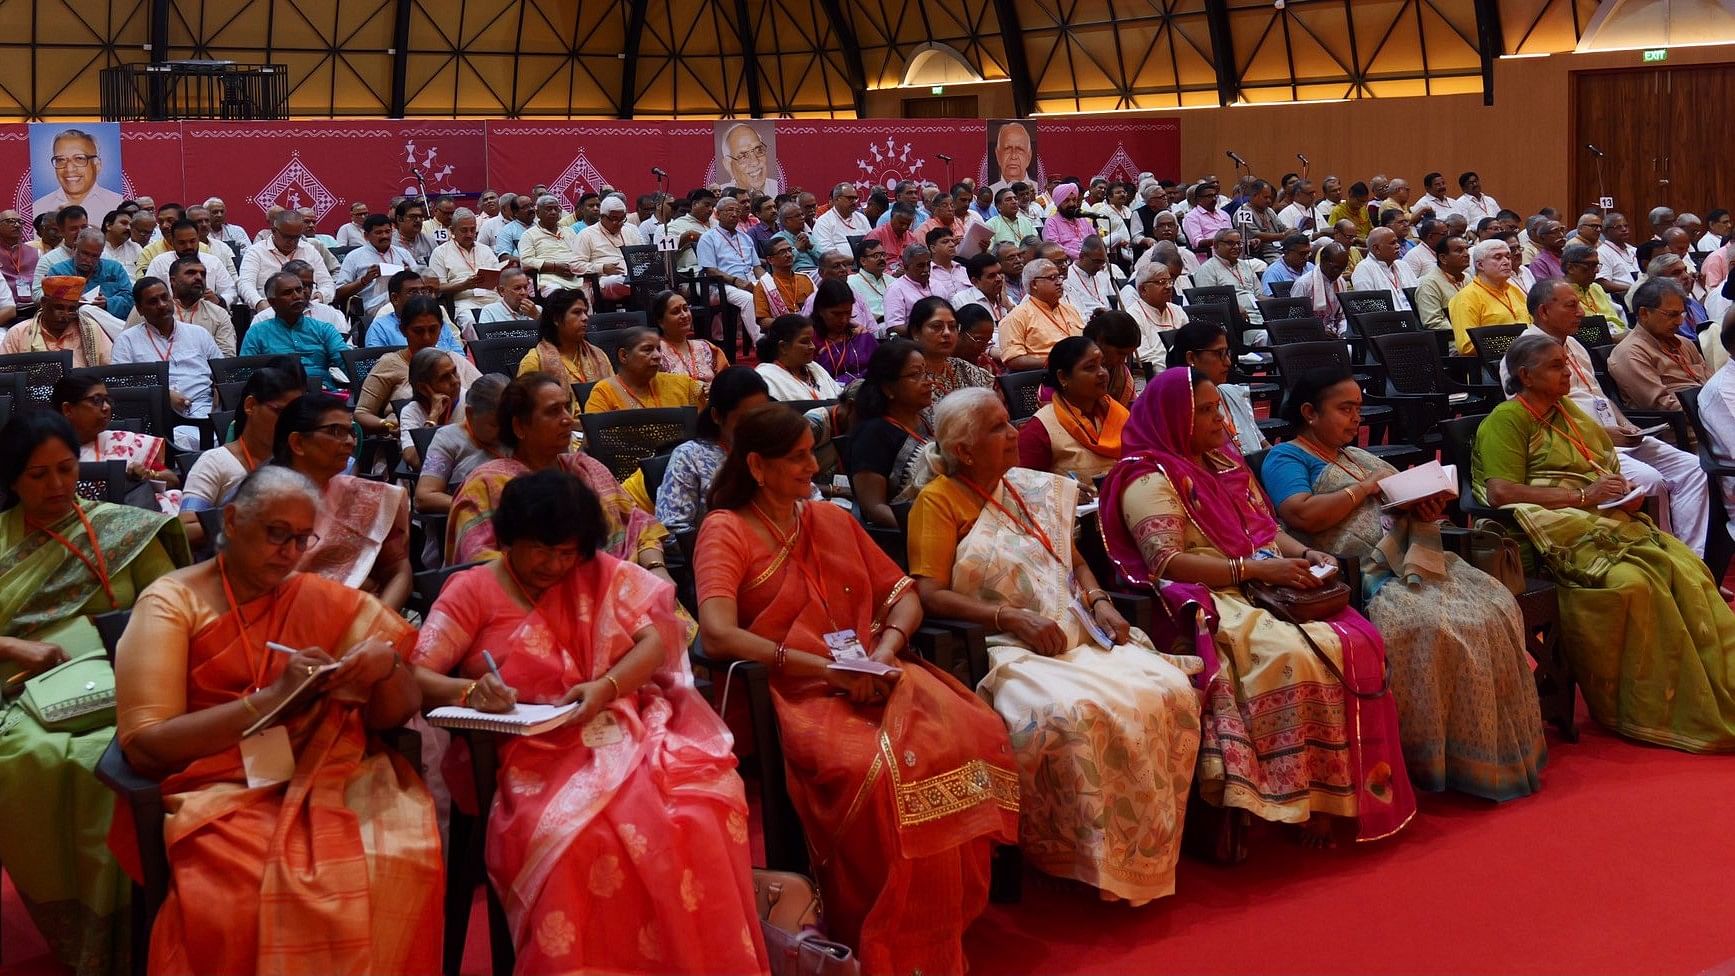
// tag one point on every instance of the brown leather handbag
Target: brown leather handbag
(1296, 605)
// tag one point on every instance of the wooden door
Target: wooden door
(1700, 100)
(1609, 112)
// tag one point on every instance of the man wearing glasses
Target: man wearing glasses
(747, 160)
(834, 228)
(77, 168)
(1044, 318)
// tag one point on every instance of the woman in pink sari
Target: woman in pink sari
(618, 841)
(1298, 721)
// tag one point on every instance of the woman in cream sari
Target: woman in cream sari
(1467, 705)
(64, 560)
(1104, 728)
(307, 847)
(1649, 635)
(1298, 719)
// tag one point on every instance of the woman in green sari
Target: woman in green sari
(62, 560)
(1648, 633)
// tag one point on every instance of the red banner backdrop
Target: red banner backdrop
(329, 165)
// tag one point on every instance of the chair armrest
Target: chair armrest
(972, 640)
(1138, 609)
(1676, 420)
(144, 798)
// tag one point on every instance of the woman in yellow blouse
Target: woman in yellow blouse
(561, 350)
(639, 382)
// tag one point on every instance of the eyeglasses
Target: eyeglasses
(1222, 353)
(79, 160)
(279, 536)
(98, 400)
(756, 153)
(1057, 279)
(341, 432)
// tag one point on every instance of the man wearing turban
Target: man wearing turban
(1066, 227)
(57, 326)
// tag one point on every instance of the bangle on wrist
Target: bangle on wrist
(780, 657)
(997, 612)
(1581, 498)
(464, 699)
(247, 703)
(901, 632)
(617, 685)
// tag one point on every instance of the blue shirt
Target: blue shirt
(1290, 470)
(385, 331)
(115, 282)
(316, 342)
(506, 242)
(1279, 272)
(732, 254)
(921, 216)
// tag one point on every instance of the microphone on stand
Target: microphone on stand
(1303, 159)
(1232, 154)
(657, 171)
(1594, 150)
(943, 157)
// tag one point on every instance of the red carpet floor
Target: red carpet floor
(1623, 864)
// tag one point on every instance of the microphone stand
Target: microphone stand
(1601, 187)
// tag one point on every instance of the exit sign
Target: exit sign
(1657, 54)
(938, 90)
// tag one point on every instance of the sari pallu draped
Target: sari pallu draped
(56, 814)
(628, 857)
(470, 527)
(1106, 738)
(361, 524)
(1649, 635)
(336, 871)
(1467, 709)
(1282, 735)
(900, 801)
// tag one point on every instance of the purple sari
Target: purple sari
(1225, 502)
(845, 360)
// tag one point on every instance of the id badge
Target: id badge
(604, 730)
(1600, 404)
(268, 758)
(845, 646)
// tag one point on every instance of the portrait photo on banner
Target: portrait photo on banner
(76, 163)
(1012, 153)
(747, 156)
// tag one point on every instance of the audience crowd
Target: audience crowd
(269, 500)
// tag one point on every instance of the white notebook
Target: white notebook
(524, 719)
(1419, 482)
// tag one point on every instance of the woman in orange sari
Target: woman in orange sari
(305, 848)
(619, 840)
(1078, 432)
(903, 780)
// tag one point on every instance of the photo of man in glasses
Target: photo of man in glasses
(77, 165)
(747, 156)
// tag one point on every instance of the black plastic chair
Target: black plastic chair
(609, 321)
(1283, 331)
(500, 355)
(1365, 302)
(103, 481)
(1418, 387)
(623, 439)
(1593, 331)
(610, 343)
(1284, 308)
(654, 467)
(1491, 343)
(1719, 547)
(41, 370)
(144, 799)
(358, 363)
(508, 329)
(646, 272)
(237, 369)
(1281, 289)
(1020, 391)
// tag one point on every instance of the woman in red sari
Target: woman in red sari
(903, 781)
(619, 840)
(306, 848)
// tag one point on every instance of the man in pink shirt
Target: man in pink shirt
(895, 235)
(1204, 220)
(1066, 227)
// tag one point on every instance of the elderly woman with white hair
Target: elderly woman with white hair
(266, 832)
(1044, 318)
(467, 271)
(1150, 299)
(1104, 728)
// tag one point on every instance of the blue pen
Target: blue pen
(488, 659)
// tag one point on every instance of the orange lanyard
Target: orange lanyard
(1236, 271)
(1359, 474)
(655, 401)
(1088, 282)
(689, 359)
(1681, 360)
(1571, 434)
(918, 438)
(1092, 429)
(1578, 372)
(815, 585)
(812, 386)
(1027, 524)
(1499, 298)
(264, 660)
(1058, 322)
(98, 567)
(151, 334)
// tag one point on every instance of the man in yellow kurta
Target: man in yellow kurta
(1490, 298)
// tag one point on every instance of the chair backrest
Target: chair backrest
(1412, 362)
(609, 321)
(1280, 289)
(7, 399)
(421, 437)
(1256, 463)
(609, 342)
(129, 375)
(1491, 342)
(425, 586)
(1215, 314)
(1214, 295)
(110, 626)
(581, 393)
(1020, 390)
(360, 362)
(1296, 358)
(501, 355)
(623, 439)
(103, 481)
(654, 467)
(41, 370)
(1303, 329)
(1689, 399)
(147, 407)
(237, 369)
(12, 391)
(1593, 330)
(1363, 302)
(1370, 324)
(1410, 296)
(517, 328)
(1284, 308)
(644, 265)
(1459, 437)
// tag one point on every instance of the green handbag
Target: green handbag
(74, 696)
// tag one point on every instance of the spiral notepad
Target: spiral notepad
(525, 719)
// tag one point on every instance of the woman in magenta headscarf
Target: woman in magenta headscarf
(1296, 723)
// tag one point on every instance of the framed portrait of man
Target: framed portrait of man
(747, 155)
(1011, 153)
(77, 163)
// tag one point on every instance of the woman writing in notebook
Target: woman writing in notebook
(1467, 711)
(306, 847)
(619, 838)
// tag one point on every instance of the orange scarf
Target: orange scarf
(1104, 441)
